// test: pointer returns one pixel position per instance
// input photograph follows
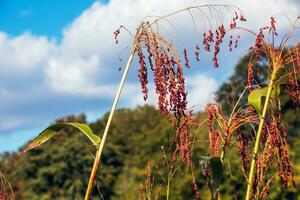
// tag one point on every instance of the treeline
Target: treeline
(60, 168)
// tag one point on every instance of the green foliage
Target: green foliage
(55, 128)
(59, 169)
(256, 97)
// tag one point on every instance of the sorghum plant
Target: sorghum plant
(280, 63)
(148, 191)
(157, 53)
(282, 74)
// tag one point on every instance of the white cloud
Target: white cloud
(8, 123)
(90, 35)
(72, 74)
(201, 91)
(23, 53)
(88, 40)
(81, 64)
(134, 97)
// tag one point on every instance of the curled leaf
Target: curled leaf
(53, 129)
(256, 97)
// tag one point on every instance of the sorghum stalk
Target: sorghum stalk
(168, 187)
(259, 132)
(114, 106)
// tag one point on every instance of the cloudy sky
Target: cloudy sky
(59, 57)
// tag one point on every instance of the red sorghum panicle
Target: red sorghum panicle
(233, 23)
(297, 58)
(197, 53)
(214, 137)
(206, 43)
(165, 63)
(284, 166)
(143, 75)
(164, 60)
(243, 152)
(230, 42)
(273, 27)
(207, 40)
(259, 42)
(250, 76)
(220, 33)
(185, 141)
(236, 41)
(293, 88)
(150, 56)
(236, 16)
(210, 37)
(196, 189)
(3, 196)
(211, 114)
(187, 63)
(293, 56)
(116, 34)
(242, 18)
(213, 110)
(265, 191)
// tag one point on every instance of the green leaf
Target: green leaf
(256, 97)
(216, 167)
(53, 129)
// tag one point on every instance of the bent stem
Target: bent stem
(257, 139)
(100, 149)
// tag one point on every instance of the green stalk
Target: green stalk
(257, 139)
(168, 187)
(100, 149)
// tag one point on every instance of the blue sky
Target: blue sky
(58, 58)
(41, 17)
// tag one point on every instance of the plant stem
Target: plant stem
(100, 149)
(257, 139)
(168, 186)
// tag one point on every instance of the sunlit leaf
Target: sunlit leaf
(53, 129)
(256, 97)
